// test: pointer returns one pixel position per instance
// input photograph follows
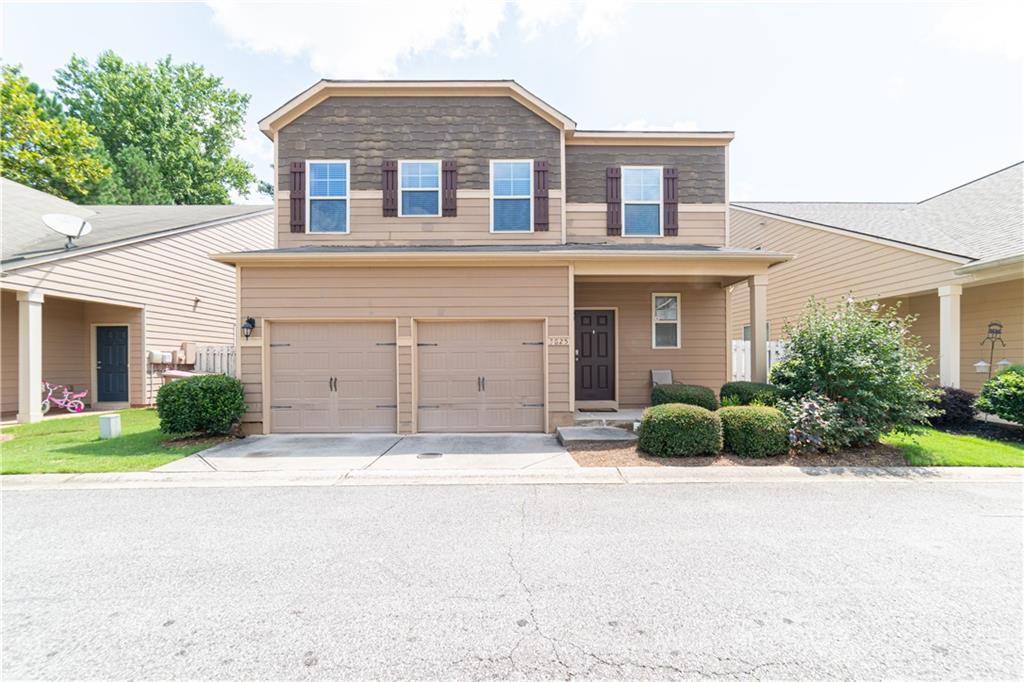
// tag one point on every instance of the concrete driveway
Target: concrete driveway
(420, 452)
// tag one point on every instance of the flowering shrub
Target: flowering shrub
(1003, 394)
(815, 424)
(865, 361)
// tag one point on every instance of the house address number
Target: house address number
(558, 340)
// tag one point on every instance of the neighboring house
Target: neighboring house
(90, 316)
(457, 256)
(955, 260)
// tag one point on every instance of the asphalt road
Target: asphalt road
(819, 579)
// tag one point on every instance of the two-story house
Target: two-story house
(458, 256)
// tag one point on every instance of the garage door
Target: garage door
(332, 377)
(480, 376)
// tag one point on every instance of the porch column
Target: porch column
(949, 335)
(758, 285)
(30, 356)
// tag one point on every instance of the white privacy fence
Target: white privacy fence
(216, 360)
(741, 357)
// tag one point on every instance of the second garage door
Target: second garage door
(332, 377)
(480, 376)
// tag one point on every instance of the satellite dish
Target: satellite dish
(69, 226)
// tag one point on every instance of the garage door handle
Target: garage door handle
(430, 407)
(387, 407)
(533, 404)
(533, 343)
(280, 407)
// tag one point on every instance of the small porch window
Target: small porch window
(665, 321)
(420, 185)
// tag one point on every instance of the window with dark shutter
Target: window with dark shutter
(671, 202)
(297, 196)
(449, 188)
(541, 221)
(389, 186)
(613, 198)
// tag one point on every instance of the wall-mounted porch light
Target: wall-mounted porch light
(248, 326)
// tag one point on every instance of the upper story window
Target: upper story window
(641, 201)
(327, 196)
(419, 183)
(512, 196)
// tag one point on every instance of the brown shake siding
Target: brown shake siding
(404, 294)
(368, 130)
(701, 359)
(701, 170)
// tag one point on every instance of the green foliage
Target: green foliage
(44, 149)
(815, 424)
(676, 430)
(686, 394)
(863, 358)
(754, 431)
(169, 127)
(210, 404)
(1003, 395)
(955, 407)
(748, 393)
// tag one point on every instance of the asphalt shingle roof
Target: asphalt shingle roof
(24, 235)
(982, 220)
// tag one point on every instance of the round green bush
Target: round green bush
(686, 394)
(1003, 395)
(747, 392)
(754, 431)
(209, 404)
(677, 430)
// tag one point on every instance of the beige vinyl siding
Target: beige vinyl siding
(827, 265)
(404, 294)
(367, 227)
(588, 223)
(701, 359)
(164, 276)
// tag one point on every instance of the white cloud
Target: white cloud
(644, 124)
(985, 27)
(370, 39)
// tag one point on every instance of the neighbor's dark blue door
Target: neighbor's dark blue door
(112, 364)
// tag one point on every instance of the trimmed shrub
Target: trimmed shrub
(210, 404)
(956, 407)
(1003, 395)
(815, 424)
(686, 394)
(748, 393)
(677, 430)
(754, 431)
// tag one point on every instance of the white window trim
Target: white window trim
(660, 202)
(490, 207)
(420, 189)
(655, 322)
(347, 197)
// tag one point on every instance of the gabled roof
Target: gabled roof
(981, 220)
(26, 238)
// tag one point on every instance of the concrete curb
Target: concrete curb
(581, 476)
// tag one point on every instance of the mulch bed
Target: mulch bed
(1006, 433)
(877, 456)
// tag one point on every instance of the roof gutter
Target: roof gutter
(984, 266)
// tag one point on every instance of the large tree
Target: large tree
(168, 128)
(44, 149)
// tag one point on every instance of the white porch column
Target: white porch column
(949, 335)
(758, 285)
(30, 356)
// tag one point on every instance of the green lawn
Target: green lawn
(936, 448)
(73, 445)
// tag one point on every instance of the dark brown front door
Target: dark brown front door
(595, 355)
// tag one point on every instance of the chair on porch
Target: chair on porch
(661, 376)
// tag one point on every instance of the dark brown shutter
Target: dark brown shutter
(297, 196)
(389, 185)
(541, 221)
(449, 188)
(613, 197)
(670, 199)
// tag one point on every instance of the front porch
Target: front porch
(85, 345)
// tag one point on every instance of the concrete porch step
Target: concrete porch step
(590, 436)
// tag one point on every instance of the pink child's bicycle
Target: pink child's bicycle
(72, 402)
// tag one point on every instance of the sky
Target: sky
(829, 101)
